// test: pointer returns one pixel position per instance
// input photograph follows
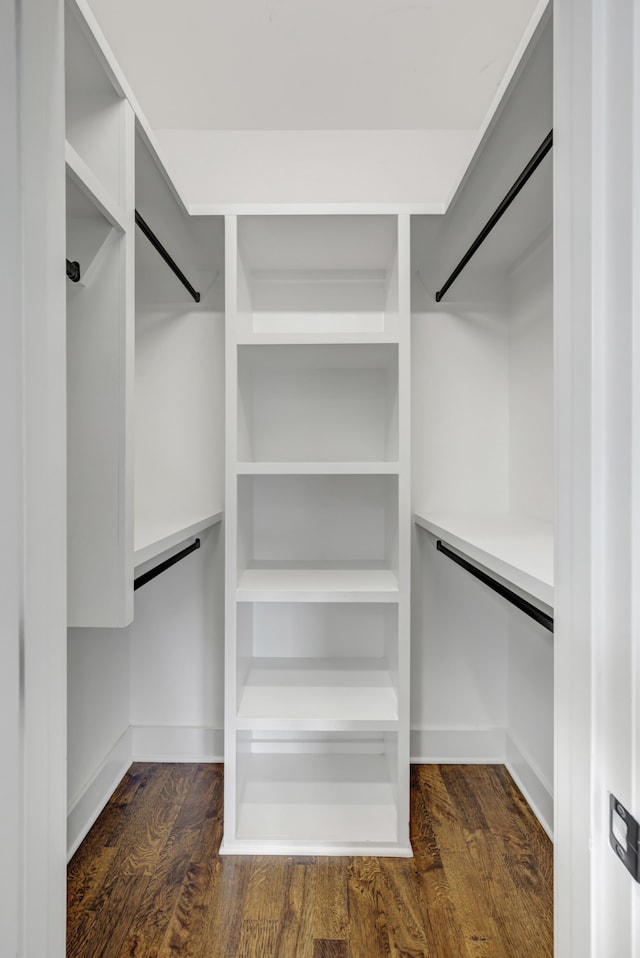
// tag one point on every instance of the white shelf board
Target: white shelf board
(337, 694)
(313, 338)
(517, 549)
(154, 538)
(296, 584)
(323, 323)
(88, 182)
(318, 798)
(318, 468)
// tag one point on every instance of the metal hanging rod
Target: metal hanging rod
(530, 168)
(171, 263)
(527, 607)
(163, 566)
(73, 271)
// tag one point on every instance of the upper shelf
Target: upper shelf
(152, 539)
(517, 549)
(317, 276)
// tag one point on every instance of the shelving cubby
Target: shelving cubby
(317, 535)
(317, 524)
(318, 403)
(322, 276)
(309, 665)
(317, 793)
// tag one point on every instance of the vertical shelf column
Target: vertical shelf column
(317, 535)
(100, 339)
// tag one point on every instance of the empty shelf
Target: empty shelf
(317, 585)
(336, 694)
(325, 798)
(517, 549)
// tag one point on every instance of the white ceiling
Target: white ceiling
(314, 64)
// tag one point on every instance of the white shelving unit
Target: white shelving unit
(145, 362)
(99, 236)
(317, 535)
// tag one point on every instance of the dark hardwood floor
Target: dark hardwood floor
(147, 881)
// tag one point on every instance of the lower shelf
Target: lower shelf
(336, 797)
(325, 798)
(330, 693)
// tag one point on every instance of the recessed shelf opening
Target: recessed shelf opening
(318, 403)
(317, 787)
(317, 274)
(317, 665)
(318, 522)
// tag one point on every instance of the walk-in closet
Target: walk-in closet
(321, 479)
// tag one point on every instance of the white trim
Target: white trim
(85, 807)
(315, 209)
(186, 743)
(474, 746)
(533, 784)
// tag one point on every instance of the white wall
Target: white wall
(530, 711)
(460, 409)
(177, 665)
(458, 662)
(99, 748)
(42, 560)
(11, 555)
(531, 424)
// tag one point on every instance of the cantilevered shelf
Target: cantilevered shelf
(516, 548)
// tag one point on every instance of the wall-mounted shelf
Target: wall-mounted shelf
(517, 549)
(152, 540)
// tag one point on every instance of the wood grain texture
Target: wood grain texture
(148, 882)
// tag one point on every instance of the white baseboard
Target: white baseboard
(533, 784)
(170, 743)
(85, 807)
(457, 746)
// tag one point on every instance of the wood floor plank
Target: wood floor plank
(150, 922)
(330, 948)
(148, 881)
(442, 924)
(185, 930)
(295, 935)
(332, 900)
(369, 932)
(224, 905)
(265, 900)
